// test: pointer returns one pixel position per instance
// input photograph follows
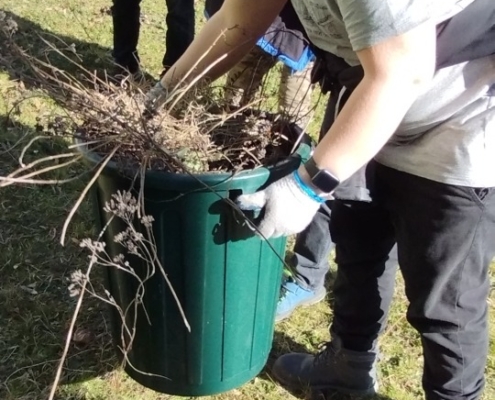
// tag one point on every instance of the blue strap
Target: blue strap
(306, 189)
(295, 65)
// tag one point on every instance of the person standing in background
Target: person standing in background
(126, 24)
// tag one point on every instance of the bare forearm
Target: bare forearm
(396, 71)
(368, 120)
(216, 40)
(225, 39)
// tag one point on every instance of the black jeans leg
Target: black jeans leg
(180, 29)
(446, 241)
(125, 16)
(364, 285)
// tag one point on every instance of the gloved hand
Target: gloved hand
(155, 97)
(289, 204)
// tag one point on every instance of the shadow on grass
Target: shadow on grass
(29, 36)
(79, 56)
(36, 307)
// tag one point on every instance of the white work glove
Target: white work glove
(289, 204)
(155, 97)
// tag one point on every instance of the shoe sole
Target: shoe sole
(368, 392)
(293, 386)
(306, 303)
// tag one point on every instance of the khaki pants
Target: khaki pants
(294, 96)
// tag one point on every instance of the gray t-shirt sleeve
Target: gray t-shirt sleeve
(369, 22)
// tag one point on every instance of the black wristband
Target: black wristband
(321, 178)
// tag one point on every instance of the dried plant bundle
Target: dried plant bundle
(197, 131)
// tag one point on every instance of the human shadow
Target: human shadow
(36, 305)
(87, 63)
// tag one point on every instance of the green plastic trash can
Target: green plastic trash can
(226, 278)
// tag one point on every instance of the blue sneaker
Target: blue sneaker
(293, 296)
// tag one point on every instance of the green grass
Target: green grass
(35, 304)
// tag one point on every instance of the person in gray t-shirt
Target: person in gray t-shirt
(418, 146)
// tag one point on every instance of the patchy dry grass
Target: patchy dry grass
(35, 304)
